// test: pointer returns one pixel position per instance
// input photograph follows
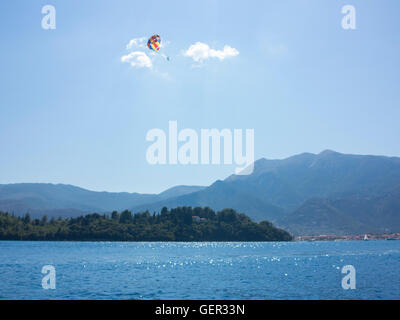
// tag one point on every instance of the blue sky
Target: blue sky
(72, 112)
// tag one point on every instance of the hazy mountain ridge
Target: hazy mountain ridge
(351, 214)
(67, 200)
(179, 191)
(318, 216)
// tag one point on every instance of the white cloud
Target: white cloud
(137, 59)
(136, 43)
(201, 51)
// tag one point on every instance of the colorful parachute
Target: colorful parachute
(154, 42)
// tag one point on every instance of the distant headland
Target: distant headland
(179, 224)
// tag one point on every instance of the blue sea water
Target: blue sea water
(211, 270)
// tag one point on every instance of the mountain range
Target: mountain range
(306, 194)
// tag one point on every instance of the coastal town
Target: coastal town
(364, 237)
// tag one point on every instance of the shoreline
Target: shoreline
(364, 237)
(163, 241)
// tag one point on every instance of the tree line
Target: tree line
(179, 224)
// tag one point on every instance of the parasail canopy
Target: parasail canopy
(154, 42)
